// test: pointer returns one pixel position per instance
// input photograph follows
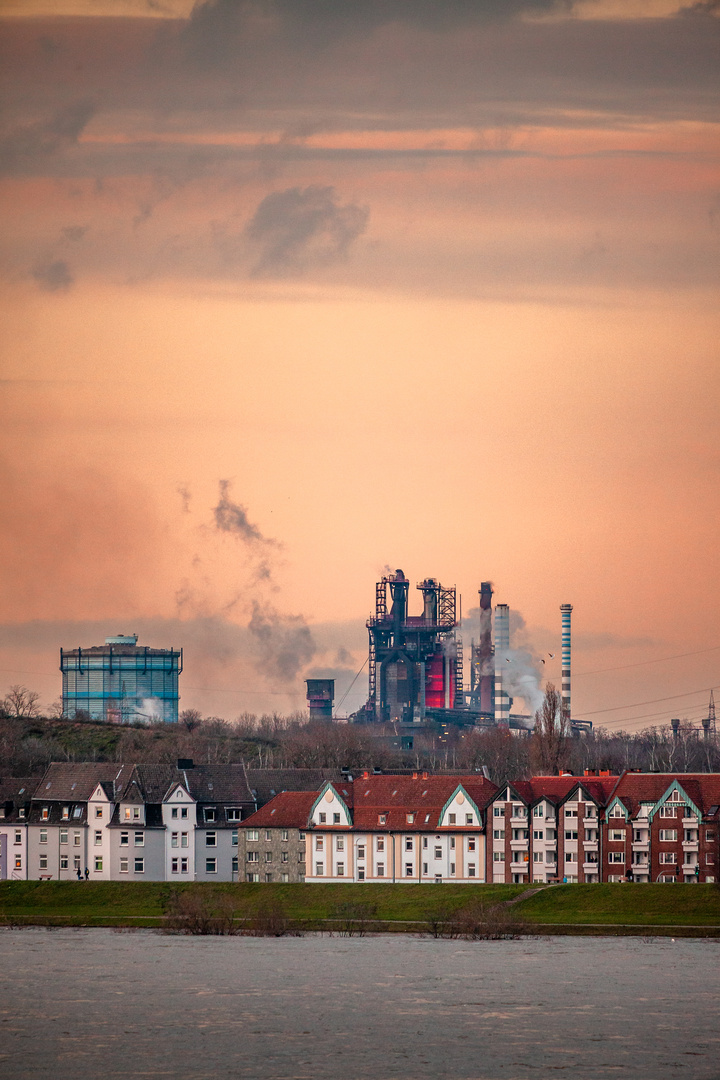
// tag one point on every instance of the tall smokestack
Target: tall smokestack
(566, 610)
(502, 648)
(485, 648)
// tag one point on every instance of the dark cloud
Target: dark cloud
(300, 228)
(53, 276)
(74, 233)
(32, 144)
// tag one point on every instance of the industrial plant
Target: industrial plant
(121, 681)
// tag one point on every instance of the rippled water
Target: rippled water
(81, 1004)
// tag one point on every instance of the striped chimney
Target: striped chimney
(566, 610)
(502, 648)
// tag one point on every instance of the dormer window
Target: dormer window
(322, 818)
(65, 813)
(410, 818)
(336, 819)
(468, 819)
(382, 819)
(45, 813)
(77, 812)
(452, 819)
(209, 813)
(234, 814)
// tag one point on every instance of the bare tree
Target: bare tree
(550, 748)
(21, 702)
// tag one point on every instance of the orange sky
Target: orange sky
(436, 293)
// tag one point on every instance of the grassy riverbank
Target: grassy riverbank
(563, 908)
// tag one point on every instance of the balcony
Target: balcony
(590, 845)
(689, 867)
(641, 845)
(690, 822)
(689, 845)
(519, 845)
(590, 867)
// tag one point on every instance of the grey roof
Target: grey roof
(75, 781)
(206, 783)
(17, 789)
(267, 783)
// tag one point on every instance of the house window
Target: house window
(98, 838)
(322, 818)
(471, 844)
(268, 856)
(318, 843)
(469, 819)
(341, 869)
(471, 869)
(498, 856)
(21, 812)
(616, 857)
(668, 811)
(336, 819)
(537, 856)
(380, 869)
(173, 812)
(617, 811)
(45, 813)
(175, 865)
(538, 834)
(234, 838)
(125, 839)
(268, 877)
(409, 818)
(668, 857)
(301, 836)
(284, 878)
(18, 862)
(498, 811)
(63, 836)
(668, 835)
(77, 812)
(268, 836)
(235, 864)
(252, 877)
(253, 834)
(408, 843)
(211, 866)
(253, 856)
(76, 862)
(408, 869)
(380, 843)
(233, 814)
(498, 834)
(98, 862)
(710, 858)
(538, 811)
(616, 834)
(425, 842)
(136, 813)
(210, 839)
(452, 843)
(452, 818)
(340, 843)
(65, 813)
(710, 837)
(183, 866)
(183, 811)
(283, 856)
(98, 811)
(76, 839)
(452, 868)
(64, 862)
(382, 819)
(174, 840)
(210, 813)
(43, 836)
(139, 866)
(318, 869)
(139, 839)
(43, 862)
(183, 839)
(571, 856)
(284, 835)
(438, 852)
(571, 834)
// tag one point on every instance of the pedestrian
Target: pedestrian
(79, 874)
(87, 874)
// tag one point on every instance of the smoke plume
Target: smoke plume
(285, 644)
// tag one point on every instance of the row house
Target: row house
(122, 822)
(415, 828)
(548, 829)
(15, 796)
(661, 827)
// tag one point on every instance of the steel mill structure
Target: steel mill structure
(415, 662)
(121, 681)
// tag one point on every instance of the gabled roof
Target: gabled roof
(703, 789)
(289, 810)
(17, 790)
(396, 797)
(558, 789)
(265, 784)
(75, 781)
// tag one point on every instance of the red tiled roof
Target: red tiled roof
(635, 788)
(288, 810)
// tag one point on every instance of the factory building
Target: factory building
(415, 661)
(121, 681)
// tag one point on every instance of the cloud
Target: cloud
(285, 643)
(30, 144)
(303, 227)
(53, 276)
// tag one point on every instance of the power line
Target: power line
(654, 701)
(644, 663)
